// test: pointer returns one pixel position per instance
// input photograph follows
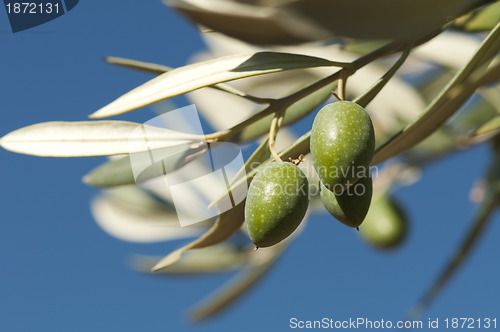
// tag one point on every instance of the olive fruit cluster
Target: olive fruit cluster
(342, 147)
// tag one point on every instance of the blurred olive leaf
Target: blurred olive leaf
(261, 261)
(487, 130)
(145, 67)
(299, 21)
(448, 101)
(138, 225)
(215, 259)
(89, 138)
(449, 49)
(482, 19)
(226, 224)
(119, 172)
(114, 172)
(202, 74)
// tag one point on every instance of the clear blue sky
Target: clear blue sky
(60, 272)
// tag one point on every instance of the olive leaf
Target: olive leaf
(450, 50)
(114, 172)
(146, 67)
(226, 224)
(445, 104)
(482, 19)
(293, 22)
(90, 138)
(215, 259)
(134, 225)
(491, 126)
(221, 298)
(486, 131)
(119, 172)
(243, 21)
(156, 69)
(202, 74)
(138, 199)
(259, 263)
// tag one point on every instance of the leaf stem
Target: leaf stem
(368, 96)
(342, 86)
(273, 132)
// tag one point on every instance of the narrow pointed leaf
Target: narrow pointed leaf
(216, 259)
(491, 126)
(115, 172)
(260, 262)
(449, 100)
(239, 285)
(119, 172)
(156, 69)
(227, 223)
(146, 67)
(202, 74)
(482, 19)
(141, 226)
(88, 138)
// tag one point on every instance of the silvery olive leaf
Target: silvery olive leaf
(207, 73)
(89, 138)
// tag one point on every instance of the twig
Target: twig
(273, 131)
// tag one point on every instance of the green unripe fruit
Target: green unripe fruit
(351, 205)
(277, 201)
(342, 144)
(385, 225)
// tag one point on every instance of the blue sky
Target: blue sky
(60, 272)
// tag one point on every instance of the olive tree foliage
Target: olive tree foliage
(318, 51)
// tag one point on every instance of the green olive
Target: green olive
(277, 201)
(342, 144)
(351, 205)
(385, 225)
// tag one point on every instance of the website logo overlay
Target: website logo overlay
(28, 14)
(179, 165)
